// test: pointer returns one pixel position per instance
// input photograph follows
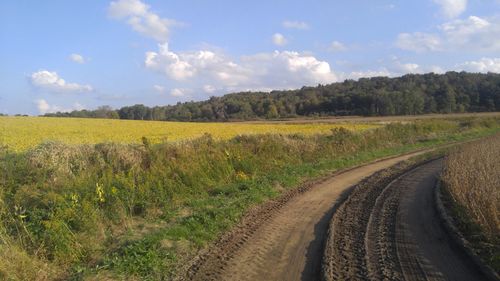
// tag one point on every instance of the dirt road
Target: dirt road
(393, 232)
(287, 245)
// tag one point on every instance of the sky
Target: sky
(59, 55)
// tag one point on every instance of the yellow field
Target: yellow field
(21, 133)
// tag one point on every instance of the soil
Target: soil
(393, 232)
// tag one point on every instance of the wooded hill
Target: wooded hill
(379, 96)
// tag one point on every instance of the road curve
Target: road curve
(288, 244)
(393, 232)
(424, 249)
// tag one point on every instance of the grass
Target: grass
(140, 211)
(22, 133)
(472, 183)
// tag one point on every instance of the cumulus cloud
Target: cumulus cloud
(279, 39)
(139, 16)
(300, 25)
(50, 80)
(176, 92)
(337, 46)
(186, 65)
(473, 34)
(77, 58)
(452, 8)
(284, 69)
(288, 68)
(44, 107)
(398, 67)
(481, 65)
(409, 67)
(418, 42)
(209, 89)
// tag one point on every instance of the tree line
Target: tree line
(410, 94)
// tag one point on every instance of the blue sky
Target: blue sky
(65, 55)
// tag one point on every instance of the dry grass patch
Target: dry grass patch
(472, 177)
(472, 181)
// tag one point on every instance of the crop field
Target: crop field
(472, 188)
(114, 211)
(21, 133)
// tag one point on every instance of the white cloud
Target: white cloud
(295, 25)
(139, 16)
(279, 39)
(200, 68)
(49, 80)
(44, 107)
(436, 69)
(209, 89)
(392, 67)
(186, 65)
(77, 58)
(473, 34)
(397, 67)
(337, 46)
(409, 67)
(178, 92)
(452, 8)
(465, 26)
(78, 106)
(159, 88)
(288, 67)
(481, 65)
(418, 42)
(368, 73)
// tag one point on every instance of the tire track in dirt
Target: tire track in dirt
(402, 232)
(283, 239)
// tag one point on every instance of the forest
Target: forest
(412, 94)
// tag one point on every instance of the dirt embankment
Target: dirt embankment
(388, 229)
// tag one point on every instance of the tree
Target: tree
(409, 94)
(272, 112)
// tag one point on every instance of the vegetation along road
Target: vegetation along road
(386, 229)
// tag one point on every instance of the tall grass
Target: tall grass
(113, 210)
(472, 180)
(472, 177)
